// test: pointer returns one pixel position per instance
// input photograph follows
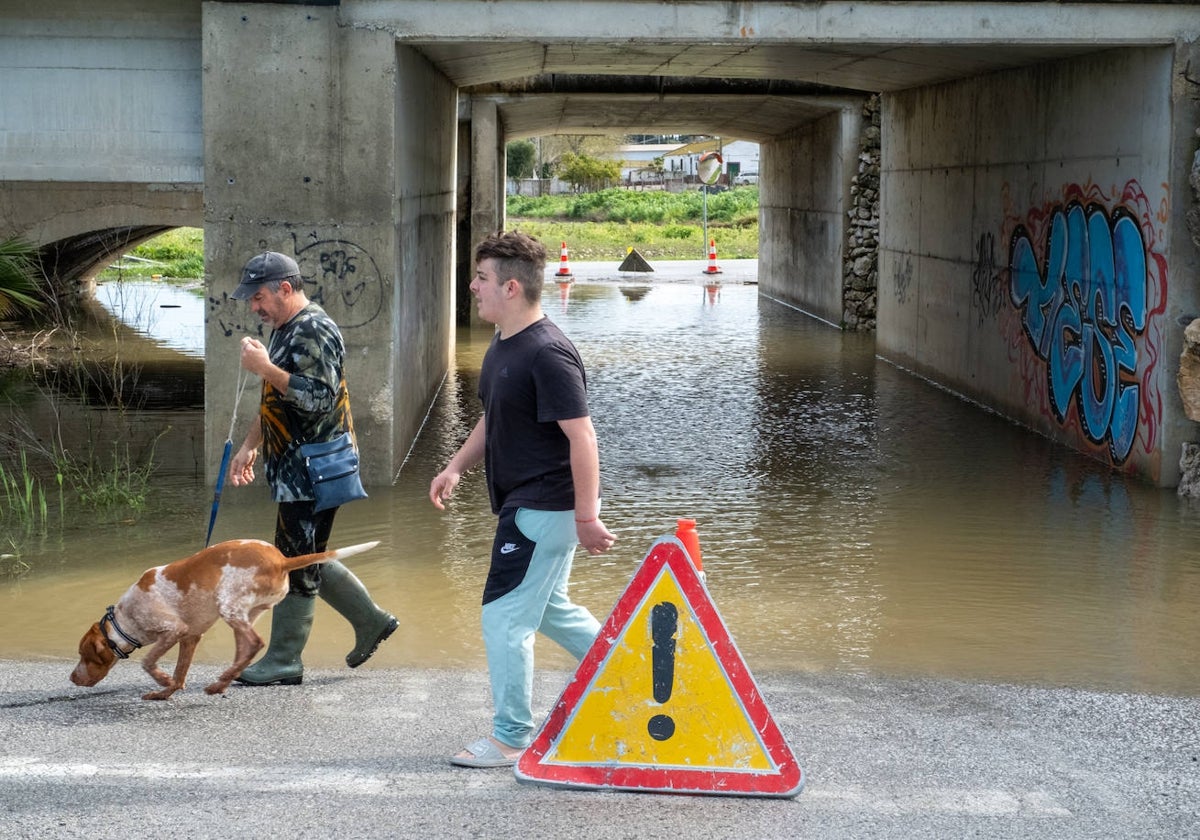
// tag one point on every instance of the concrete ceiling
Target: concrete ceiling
(700, 89)
(739, 69)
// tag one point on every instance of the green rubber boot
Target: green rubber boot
(346, 594)
(291, 623)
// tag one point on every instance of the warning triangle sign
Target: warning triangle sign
(634, 262)
(663, 700)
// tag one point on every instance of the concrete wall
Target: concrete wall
(100, 125)
(1026, 243)
(101, 90)
(804, 183)
(426, 170)
(331, 145)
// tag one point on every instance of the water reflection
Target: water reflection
(852, 517)
(171, 316)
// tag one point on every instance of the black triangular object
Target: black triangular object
(634, 262)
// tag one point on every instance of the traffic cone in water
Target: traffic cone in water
(685, 532)
(714, 291)
(712, 258)
(563, 269)
(564, 290)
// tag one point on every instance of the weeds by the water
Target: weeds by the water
(96, 475)
(116, 482)
(25, 511)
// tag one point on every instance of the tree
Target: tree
(18, 283)
(588, 173)
(519, 156)
(555, 147)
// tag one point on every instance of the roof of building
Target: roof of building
(697, 148)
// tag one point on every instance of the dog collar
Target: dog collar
(110, 618)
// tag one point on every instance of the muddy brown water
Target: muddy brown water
(852, 517)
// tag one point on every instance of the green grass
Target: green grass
(735, 207)
(24, 513)
(599, 241)
(24, 499)
(178, 253)
(660, 225)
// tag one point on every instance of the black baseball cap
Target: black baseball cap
(263, 268)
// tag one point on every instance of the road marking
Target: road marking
(979, 802)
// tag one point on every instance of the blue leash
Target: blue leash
(212, 517)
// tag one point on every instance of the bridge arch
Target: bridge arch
(79, 229)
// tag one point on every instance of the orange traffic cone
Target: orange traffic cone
(685, 532)
(712, 258)
(563, 269)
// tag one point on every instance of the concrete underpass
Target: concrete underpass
(1034, 159)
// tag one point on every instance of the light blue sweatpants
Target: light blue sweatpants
(538, 603)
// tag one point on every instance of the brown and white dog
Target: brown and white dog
(175, 604)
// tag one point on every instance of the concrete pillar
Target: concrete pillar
(464, 268)
(332, 145)
(487, 175)
(805, 179)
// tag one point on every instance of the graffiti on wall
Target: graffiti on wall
(338, 274)
(1089, 289)
(988, 294)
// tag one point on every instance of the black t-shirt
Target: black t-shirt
(528, 383)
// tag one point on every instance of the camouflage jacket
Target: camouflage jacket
(316, 407)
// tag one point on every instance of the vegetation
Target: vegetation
(106, 482)
(584, 172)
(178, 253)
(519, 159)
(18, 278)
(661, 225)
(734, 207)
(97, 479)
(25, 506)
(599, 241)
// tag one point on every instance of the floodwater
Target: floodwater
(852, 517)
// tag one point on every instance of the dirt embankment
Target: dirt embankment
(23, 346)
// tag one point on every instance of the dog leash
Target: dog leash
(243, 378)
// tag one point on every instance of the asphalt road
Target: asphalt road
(364, 753)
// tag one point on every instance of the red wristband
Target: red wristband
(586, 521)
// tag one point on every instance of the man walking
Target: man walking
(304, 400)
(539, 449)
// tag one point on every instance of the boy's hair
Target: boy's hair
(519, 256)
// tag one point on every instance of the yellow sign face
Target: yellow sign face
(661, 698)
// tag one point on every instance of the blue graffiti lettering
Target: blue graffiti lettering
(1081, 312)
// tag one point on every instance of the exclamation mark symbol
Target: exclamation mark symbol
(664, 621)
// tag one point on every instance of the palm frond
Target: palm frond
(18, 277)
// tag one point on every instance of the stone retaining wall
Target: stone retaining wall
(860, 267)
